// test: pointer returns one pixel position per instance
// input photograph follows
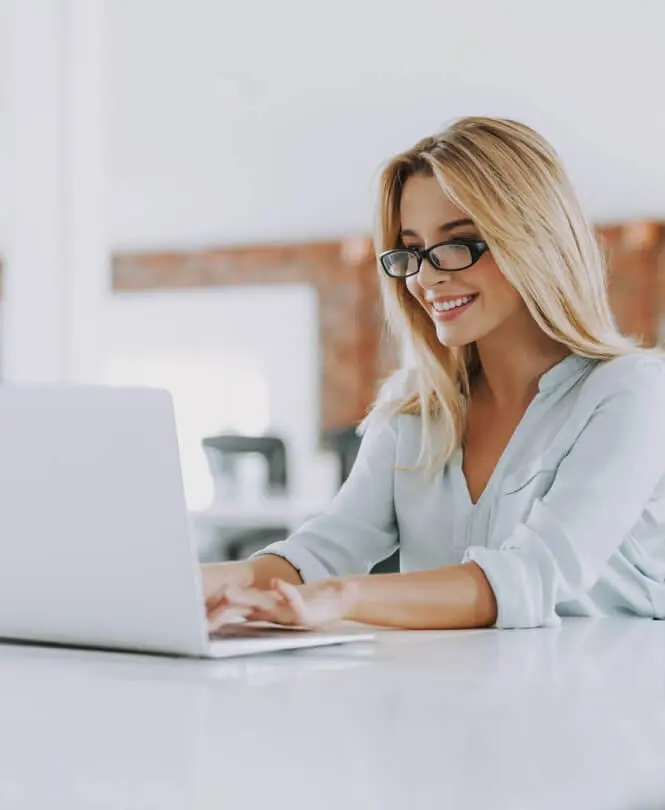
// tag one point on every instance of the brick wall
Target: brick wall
(636, 264)
(355, 351)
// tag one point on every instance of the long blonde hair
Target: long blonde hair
(511, 183)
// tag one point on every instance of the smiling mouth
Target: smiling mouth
(456, 303)
(448, 311)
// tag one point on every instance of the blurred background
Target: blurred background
(187, 190)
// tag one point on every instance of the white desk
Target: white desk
(542, 719)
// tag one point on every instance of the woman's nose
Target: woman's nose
(429, 276)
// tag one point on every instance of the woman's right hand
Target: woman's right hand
(258, 574)
(216, 577)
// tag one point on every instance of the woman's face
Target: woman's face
(487, 299)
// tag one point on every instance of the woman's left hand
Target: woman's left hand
(313, 605)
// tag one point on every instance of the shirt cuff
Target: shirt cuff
(308, 566)
(515, 576)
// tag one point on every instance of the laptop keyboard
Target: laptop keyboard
(249, 630)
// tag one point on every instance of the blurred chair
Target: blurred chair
(226, 450)
(226, 454)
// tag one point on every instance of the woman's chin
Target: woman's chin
(453, 338)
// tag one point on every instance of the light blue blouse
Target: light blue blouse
(572, 521)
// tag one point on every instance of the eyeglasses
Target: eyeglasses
(454, 255)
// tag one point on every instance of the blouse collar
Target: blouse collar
(571, 366)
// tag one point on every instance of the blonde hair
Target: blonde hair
(511, 183)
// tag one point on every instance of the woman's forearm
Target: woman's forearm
(269, 567)
(456, 596)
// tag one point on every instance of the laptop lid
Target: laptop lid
(95, 547)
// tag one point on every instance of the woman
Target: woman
(520, 464)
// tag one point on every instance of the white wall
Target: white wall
(228, 124)
(231, 122)
(5, 134)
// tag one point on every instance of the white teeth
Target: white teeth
(444, 306)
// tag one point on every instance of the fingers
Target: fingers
(252, 597)
(270, 606)
(216, 577)
(281, 605)
(215, 602)
(240, 597)
(220, 610)
(226, 615)
(292, 595)
(236, 604)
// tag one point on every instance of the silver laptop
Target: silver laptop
(95, 542)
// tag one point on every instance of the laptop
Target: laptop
(96, 547)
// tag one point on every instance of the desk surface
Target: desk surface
(538, 719)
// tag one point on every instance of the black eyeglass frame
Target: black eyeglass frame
(477, 247)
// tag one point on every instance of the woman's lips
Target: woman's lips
(451, 314)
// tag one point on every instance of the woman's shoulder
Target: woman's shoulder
(633, 382)
(640, 372)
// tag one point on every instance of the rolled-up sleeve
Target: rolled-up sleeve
(599, 492)
(359, 528)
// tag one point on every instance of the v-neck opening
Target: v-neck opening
(570, 367)
(501, 462)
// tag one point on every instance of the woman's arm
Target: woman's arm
(601, 489)
(456, 596)
(359, 527)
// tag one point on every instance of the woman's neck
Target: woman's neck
(512, 360)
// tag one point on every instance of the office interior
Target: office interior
(187, 202)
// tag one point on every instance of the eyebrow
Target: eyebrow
(449, 226)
